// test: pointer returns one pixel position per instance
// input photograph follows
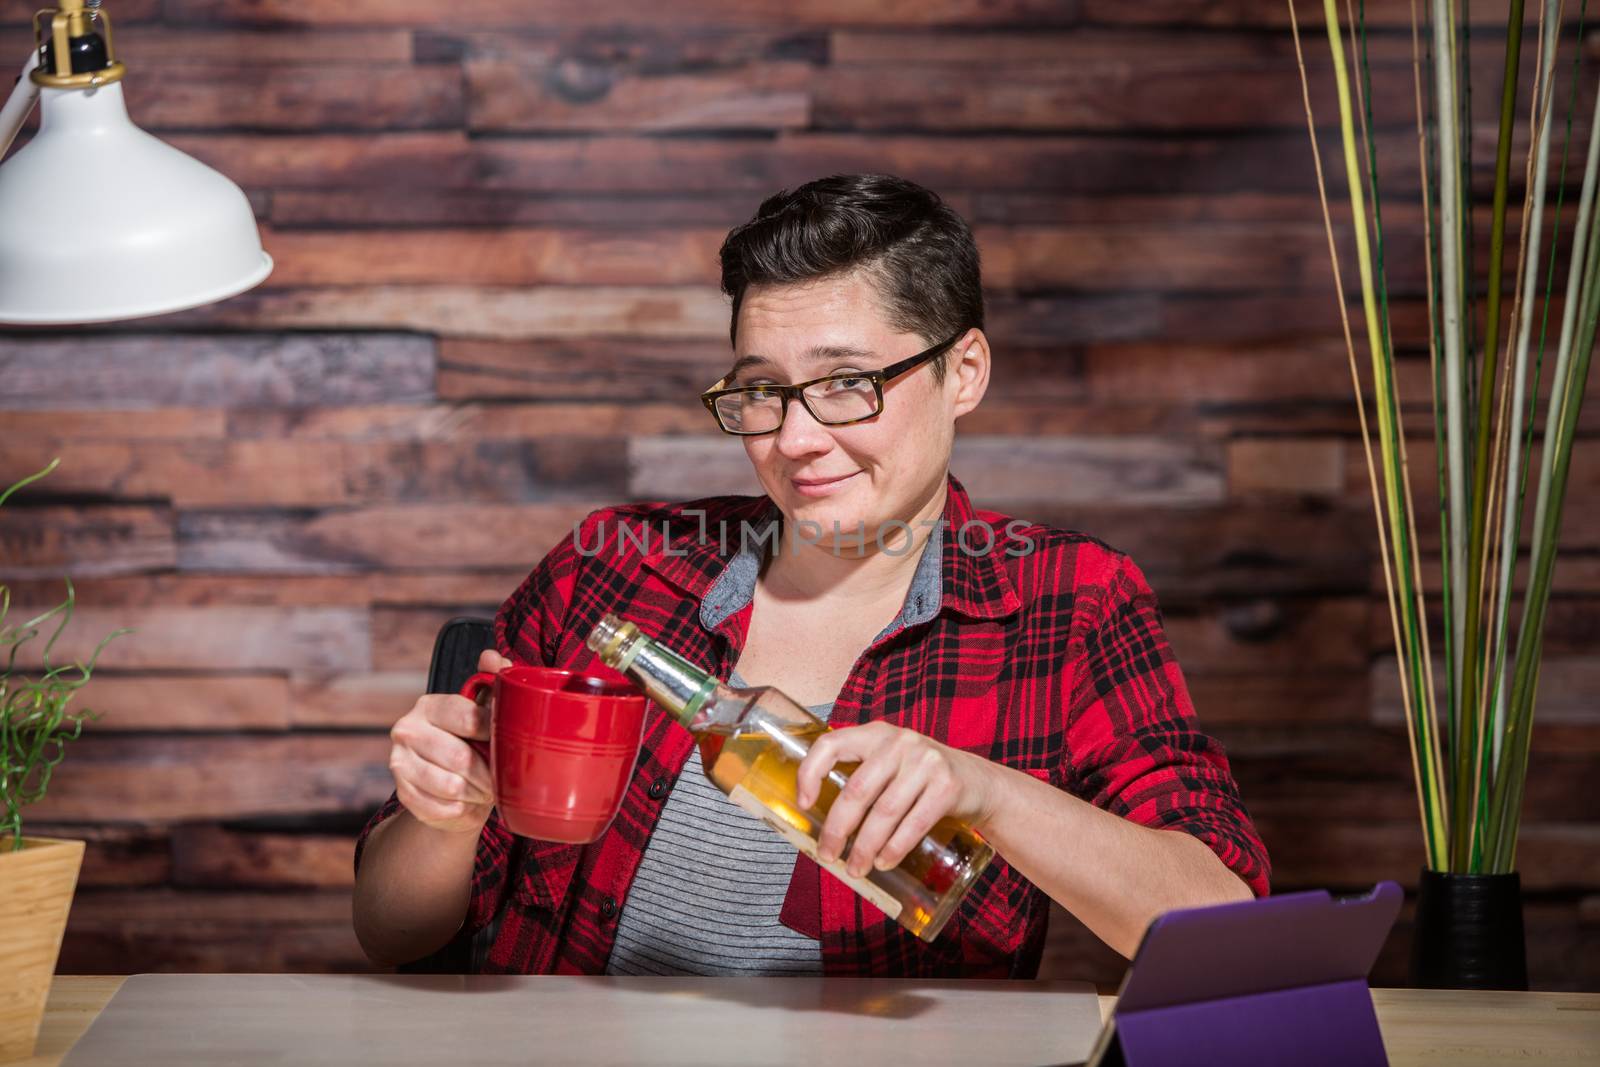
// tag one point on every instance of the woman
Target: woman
(1008, 674)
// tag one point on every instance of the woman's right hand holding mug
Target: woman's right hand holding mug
(442, 779)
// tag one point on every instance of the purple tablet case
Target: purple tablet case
(1271, 981)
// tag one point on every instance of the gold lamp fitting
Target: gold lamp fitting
(71, 20)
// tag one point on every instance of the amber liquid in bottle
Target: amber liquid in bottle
(751, 743)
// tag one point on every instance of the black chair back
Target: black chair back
(456, 650)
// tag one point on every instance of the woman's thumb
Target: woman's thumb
(492, 661)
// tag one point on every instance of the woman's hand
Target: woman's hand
(905, 784)
(442, 781)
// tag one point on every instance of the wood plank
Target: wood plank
(243, 590)
(1063, 164)
(466, 311)
(1559, 947)
(1365, 775)
(187, 702)
(624, 44)
(1215, 206)
(1044, 46)
(1580, 527)
(126, 424)
(1128, 255)
(1252, 319)
(1294, 697)
(406, 634)
(531, 94)
(199, 370)
(1308, 371)
(1011, 470)
(1271, 635)
(998, 416)
(463, 421)
(1195, 555)
(211, 857)
(1309, 376)
(375, 700)
(1170, 13)
(20, 12)
(497, 257)
(200, 931)
(1566, 693)
(612, 12)
(157, 779)
(169, 46)
(1222, 318)
(312, 95)
(1017, 48)
(274, 909)
(115, 856)
(671, 468)
(308, 472)
(422, 160)
(222, 638)
(1072, 953)
(1577, 573)
(264, 473)
(1060, 164)
(554, 468)
(40, 542)
(1145, 471)
(397, 537)
(580, 369)
(1197, 256)
(1023, 373)
(1304, 467)
(197, 473)
(1339, 854)
(398, 207)
(1549, 857)
(1570, 627)
(1276, 162)
(1015, 208)
(1092, 91)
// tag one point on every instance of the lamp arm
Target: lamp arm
(19, 103)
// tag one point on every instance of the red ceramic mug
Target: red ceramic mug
(562, 748)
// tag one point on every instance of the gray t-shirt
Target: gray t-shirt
(706, 897)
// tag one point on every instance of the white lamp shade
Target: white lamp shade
(101, 221)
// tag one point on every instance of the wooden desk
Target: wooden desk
(1419, 1026)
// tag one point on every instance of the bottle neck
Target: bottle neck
(671, 681)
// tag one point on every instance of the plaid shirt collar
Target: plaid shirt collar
(716, 561)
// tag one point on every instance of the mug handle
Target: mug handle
(474, 690)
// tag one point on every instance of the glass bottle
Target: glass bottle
(751, 743)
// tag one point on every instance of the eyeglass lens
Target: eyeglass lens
(836, 401)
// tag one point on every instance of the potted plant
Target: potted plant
(37, 875)
(1469, 712)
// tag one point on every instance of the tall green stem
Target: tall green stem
(1450, 210)
(1564, 412)
(1467, 736)
(1516, 477)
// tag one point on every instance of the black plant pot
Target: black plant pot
(1469, 932)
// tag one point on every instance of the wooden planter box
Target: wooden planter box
(36, 887)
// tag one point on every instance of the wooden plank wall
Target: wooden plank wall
(495, 228)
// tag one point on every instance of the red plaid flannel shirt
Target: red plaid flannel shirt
(1046, 654)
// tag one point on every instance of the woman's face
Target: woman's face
(858, 476)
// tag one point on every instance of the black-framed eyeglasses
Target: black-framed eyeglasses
(833, 400)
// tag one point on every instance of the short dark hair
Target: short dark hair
(920, 253)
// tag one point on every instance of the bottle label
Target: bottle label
(877, 896)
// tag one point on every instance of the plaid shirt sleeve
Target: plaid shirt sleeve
(1135, 746)
(525, 624)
